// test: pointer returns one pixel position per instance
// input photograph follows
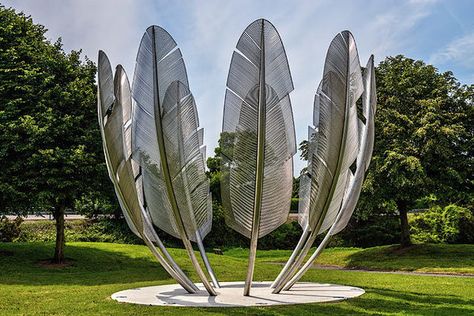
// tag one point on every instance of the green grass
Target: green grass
(100, 269)
(433, 258)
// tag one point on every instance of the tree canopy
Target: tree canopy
(424, 140)
(50, 152)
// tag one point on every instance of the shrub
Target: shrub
(92, 206)
(451, 224)
(222, 236)
(284, 237)
(373, 231)
(100, 230)
(45, 231)
(108, 230)
(9, 230)
(294, 205)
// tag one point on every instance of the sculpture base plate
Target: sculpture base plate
(231, 295)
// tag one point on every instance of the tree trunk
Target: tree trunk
(60, 240)
(405, 240)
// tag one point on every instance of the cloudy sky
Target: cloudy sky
(438, 32)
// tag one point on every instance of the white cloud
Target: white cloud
(459, 51)
(207, 32)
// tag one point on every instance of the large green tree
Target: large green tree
(424, 140)
(423, 148)
(50, 149)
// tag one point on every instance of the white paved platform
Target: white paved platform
(230, 295)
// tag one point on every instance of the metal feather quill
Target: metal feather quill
(258, 168)
(114, 113)
(354, 187)
(167, 144)
(333, 147)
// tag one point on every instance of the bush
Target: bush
(284, 237)
(221, 236)
(101, 230)
(373, 231)
(92, 206)
(9, 230)
(451, 224)
(294, 205)
(108, 230)
(45, 231)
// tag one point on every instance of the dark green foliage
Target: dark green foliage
(373, 231)
(424, 142)
(296, 188)
(99, 230)
(284, 237)
(93, 205)
(108, 230)
(303, 148)
(45, 231)
(9, 230)
(423, 147)
(451, 224)
(222, 236)
(112, 230)
(294, 205)
(51, 153)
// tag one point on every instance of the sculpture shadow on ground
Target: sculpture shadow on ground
(388, 301)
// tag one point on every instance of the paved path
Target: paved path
(329, 267)
(456, 275)
(46, 217)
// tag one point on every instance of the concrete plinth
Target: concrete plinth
(230, 295)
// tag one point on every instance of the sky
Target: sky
(438, 32)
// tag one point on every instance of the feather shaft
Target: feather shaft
(260, 166)
(167, 177)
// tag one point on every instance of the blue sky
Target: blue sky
(438, 32)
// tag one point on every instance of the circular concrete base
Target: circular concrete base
(231, 295)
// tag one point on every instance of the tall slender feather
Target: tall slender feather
(369, 101)
(167, 144)
(352, 192)
(111, 118)
(176, 110)
(334, 147)
(114, 96)
(258, 169)
(241, 120)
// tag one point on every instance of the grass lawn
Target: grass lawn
(100, 269)
(432, 258)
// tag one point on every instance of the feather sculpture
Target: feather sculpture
(258, 167)
(329, 190)
(167, 145)
(354, 187)
(114, 112)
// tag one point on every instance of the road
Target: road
(68, 217)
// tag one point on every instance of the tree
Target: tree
(424, 140)
(423, 147)
(51, 153)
